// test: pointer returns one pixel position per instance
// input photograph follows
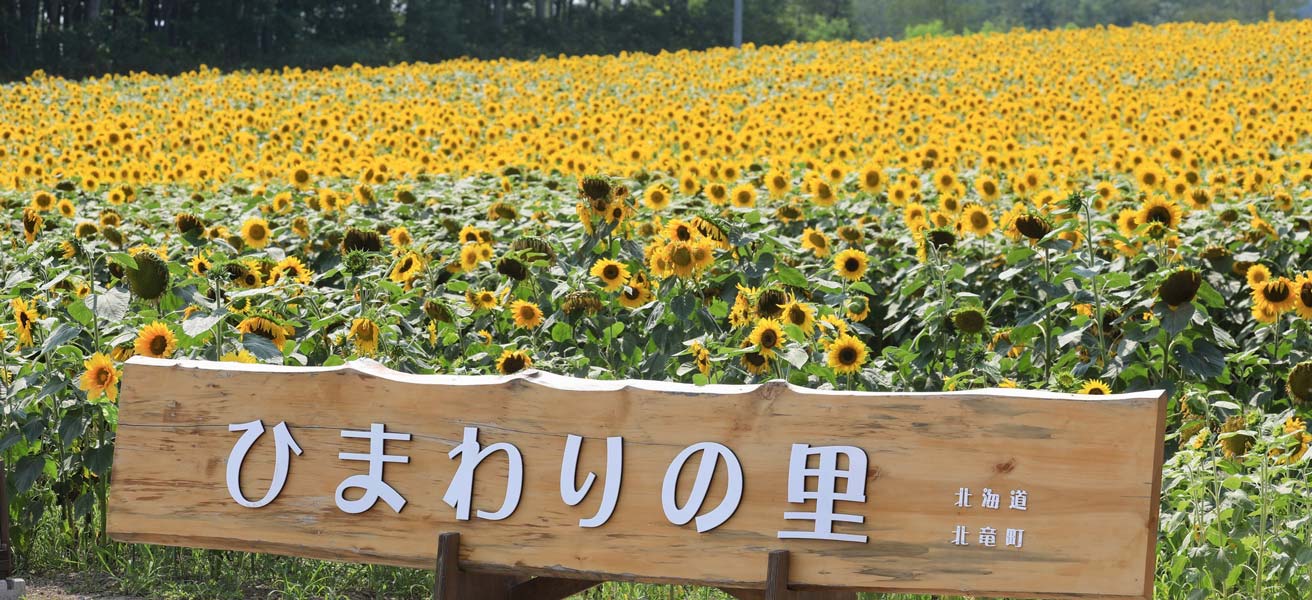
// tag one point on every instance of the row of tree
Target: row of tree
(89, 37)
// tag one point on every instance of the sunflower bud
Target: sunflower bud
(534, 249)
(356, 262)
(150, 278)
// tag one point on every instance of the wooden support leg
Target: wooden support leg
(452, 583)
(776, 585)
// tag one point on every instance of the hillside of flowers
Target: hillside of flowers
(1091, 211)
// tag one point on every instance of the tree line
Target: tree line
(78, 38)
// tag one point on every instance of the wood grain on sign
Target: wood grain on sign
(1091, 466)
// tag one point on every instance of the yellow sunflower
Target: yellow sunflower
(767, 336)
(290, 268)
(1095, 387)
(613, 274)
(25, 316)
(816, 241)
(743, 196)
(1275, 295)
(255, 232)
(756, 363)
(1257, 276)
(527, 315)
(265, 328)
(657, 196)
(851, 264)
(513, 361)
(365, 335)
(976, 220)
(800, 314)
(155, 340)
(240, 356)
(100, 378)
(847, 354)
(701, 357)
(1303, 295)
(481, 299)
(407, 268)
(1156, 209)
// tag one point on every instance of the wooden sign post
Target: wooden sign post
(985, 493)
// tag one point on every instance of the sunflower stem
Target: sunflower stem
(1097, 294)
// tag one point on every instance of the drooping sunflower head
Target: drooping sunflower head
(362, 240)
(581, 301)
(969, 320)
(151, 276)
(365, 334)
(595, 187)
(1033, 226)
(1233, 443)
(756, 363)
(1179, 287)
(770, 303)
(189, 224)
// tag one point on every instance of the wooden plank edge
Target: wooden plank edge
(1155, 497)
(566, 383)
(299, 551)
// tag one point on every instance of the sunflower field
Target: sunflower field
(1091, 211)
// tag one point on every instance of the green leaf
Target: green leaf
(27, 471)
(80, 313)
(561, 332)
(790, 276)
(123, 259)
(60, 336)
(197, 324)
(796, 357)
(112, 305)
(864, 288)
(261, 347)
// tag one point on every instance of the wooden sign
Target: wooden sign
(990, 492)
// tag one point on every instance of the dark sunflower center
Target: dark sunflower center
(778, 182)
(682, 257)
(818, 240)
(796, 316)
(1096, 391)
(405, 264)
(683, 233)
(872, 179)
(610, 272)
(979, 220)
(158, 345)
(513, 364)
(24, 320)
(989, 188)
(1305, 294)
(1159, 214)
(1277, 292)
(847, 355)
(769, 338)
(102, 376)
(1149, 178)
(756, 359)
(302, 176)
(851, 265)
